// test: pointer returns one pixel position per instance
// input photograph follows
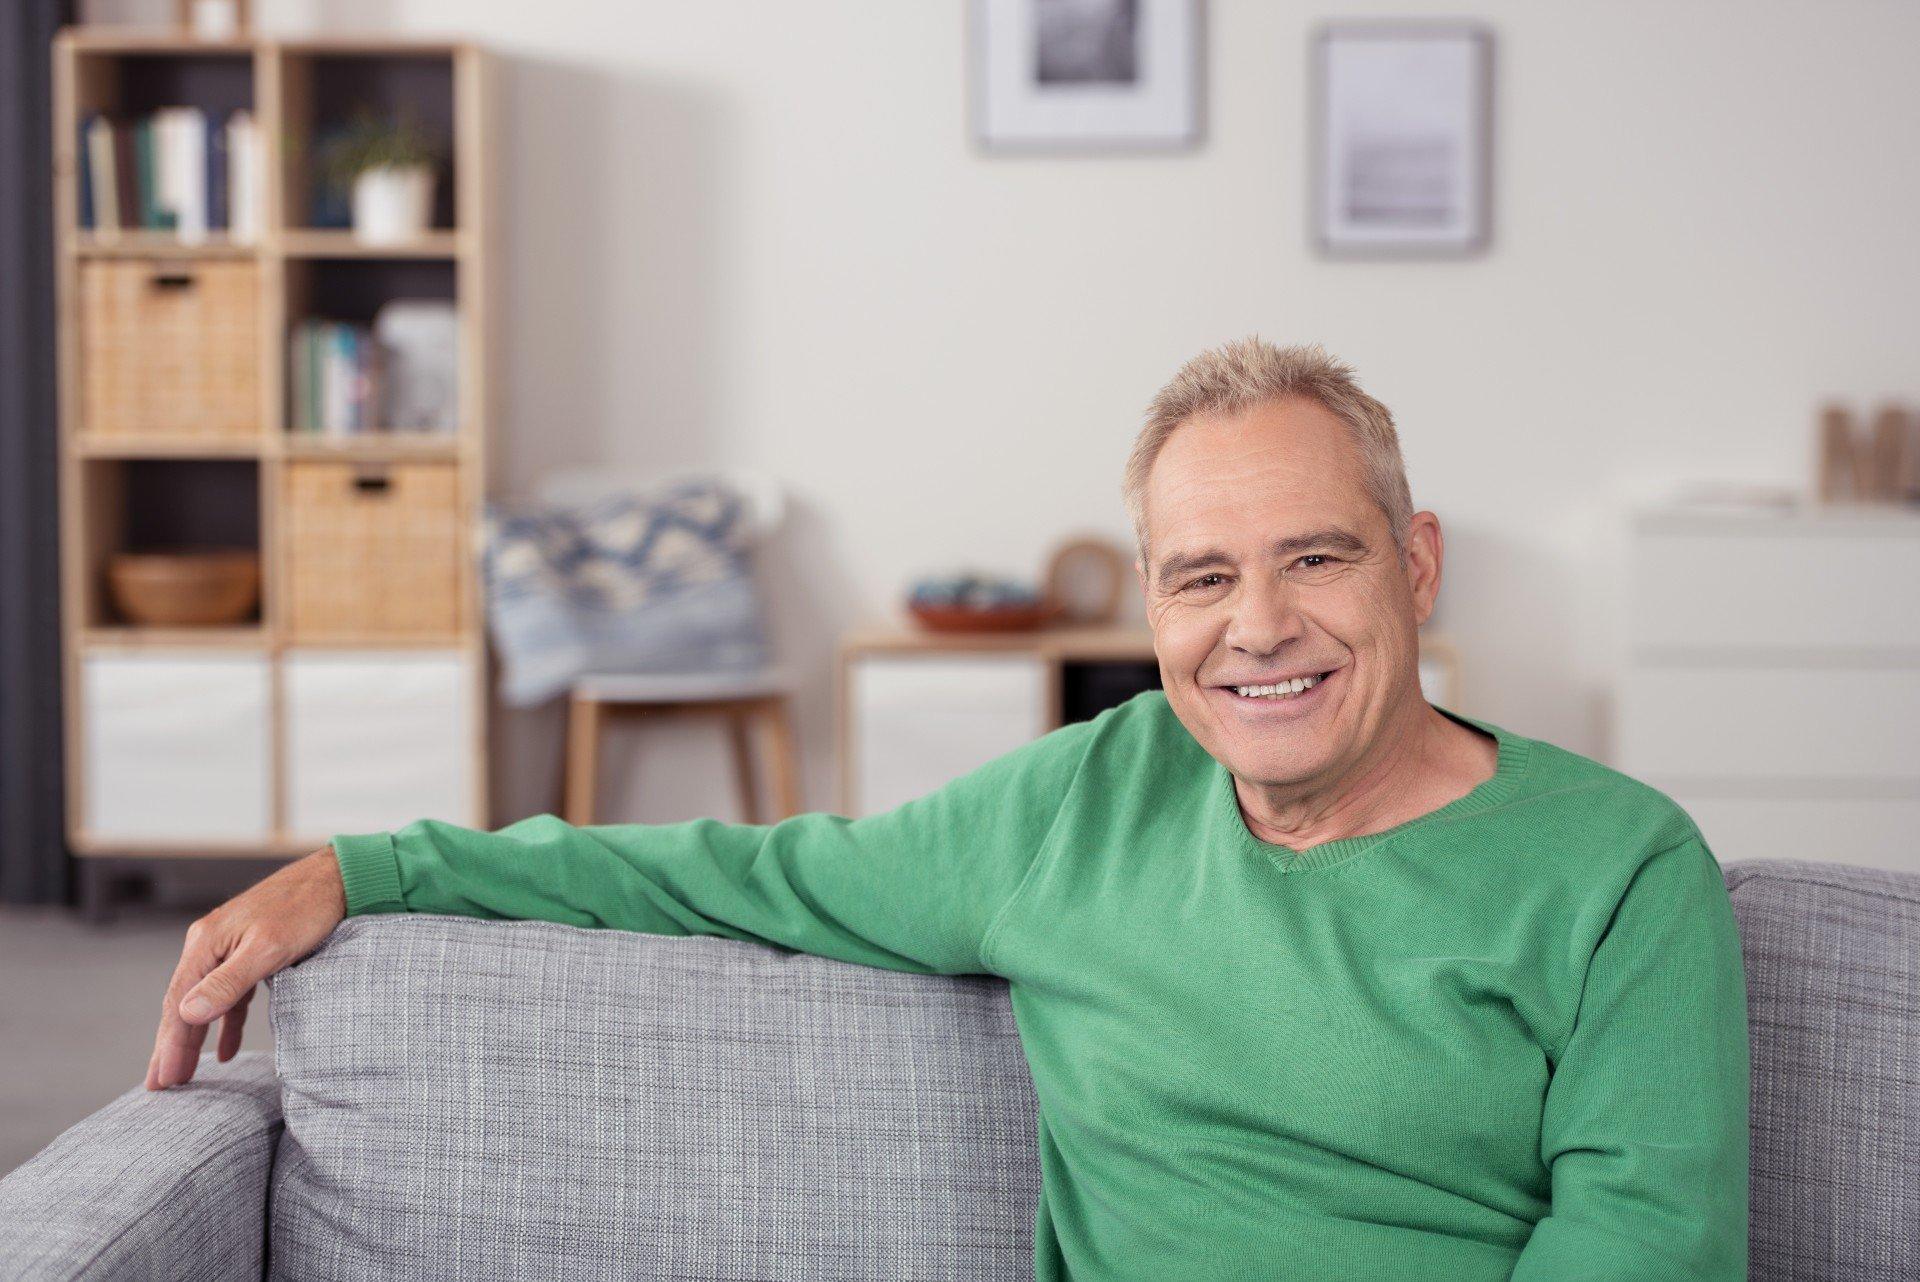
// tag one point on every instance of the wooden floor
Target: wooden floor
(78, 1008)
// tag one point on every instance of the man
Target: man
(1312, 976)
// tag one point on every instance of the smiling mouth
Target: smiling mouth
(1280, 692)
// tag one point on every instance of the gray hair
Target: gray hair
(1250, 372)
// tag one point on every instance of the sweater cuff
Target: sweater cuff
(371, 871)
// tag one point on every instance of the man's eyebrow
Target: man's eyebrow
(1332, 539)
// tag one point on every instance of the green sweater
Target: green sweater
(1507, 1038)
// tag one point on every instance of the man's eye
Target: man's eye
(1316, 556)
(1201, 582)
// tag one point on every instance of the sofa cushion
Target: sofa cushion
(470, 1098)
(1833, 1011)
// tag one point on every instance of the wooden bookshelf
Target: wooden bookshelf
(276, 711)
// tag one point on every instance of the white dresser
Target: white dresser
(1772, 682)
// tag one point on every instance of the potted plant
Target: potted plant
(388, 164)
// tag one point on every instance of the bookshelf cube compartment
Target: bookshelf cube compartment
(377, 739)
(162, 505)
(353, 292)
(327, 91)
(169, 347)
(373, 549)
(176, 747)
(127, 89)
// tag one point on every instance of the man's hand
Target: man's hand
(234, 947)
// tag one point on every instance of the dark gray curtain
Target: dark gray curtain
(33, 857)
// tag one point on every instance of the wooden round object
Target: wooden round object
(1085, 578)
(1004, 618)
(201, 588)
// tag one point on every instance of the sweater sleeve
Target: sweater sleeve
(1645, 1121)
(915, 888)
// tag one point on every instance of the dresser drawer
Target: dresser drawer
(1767, 585)
(376, 740)
(1873, 832)
(1763, 722)
(920, 721)
(175, 747)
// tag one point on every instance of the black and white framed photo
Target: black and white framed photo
(1403, 147)
(1084, 75)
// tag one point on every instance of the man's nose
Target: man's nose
(1266, 616)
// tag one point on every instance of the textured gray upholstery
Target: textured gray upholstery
(484, 1099)
(1833, 1016)
(158, 1185)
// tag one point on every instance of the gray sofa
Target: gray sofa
(452, 1098)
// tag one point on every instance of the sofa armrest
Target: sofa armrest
(158, 1184)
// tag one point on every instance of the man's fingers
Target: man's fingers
(231, 1026)
(176, 1052)
(199, 993)
(176, 1046)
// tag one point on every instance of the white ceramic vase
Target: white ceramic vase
(392, 205)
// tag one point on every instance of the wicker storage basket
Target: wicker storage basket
(372, 550)
(169, 348)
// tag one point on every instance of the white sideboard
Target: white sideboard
(1772, 681)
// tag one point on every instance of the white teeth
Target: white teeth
(1283, 690)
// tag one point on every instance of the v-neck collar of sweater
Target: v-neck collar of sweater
(1510, 764)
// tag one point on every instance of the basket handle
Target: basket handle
(372, 483)
(172, 278)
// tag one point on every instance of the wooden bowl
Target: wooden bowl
(198, 589)
(1004, 618)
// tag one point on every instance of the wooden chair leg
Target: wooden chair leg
(739, 732)
(583, 757)
(777, 716)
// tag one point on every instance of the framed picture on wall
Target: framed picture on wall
(1084, 75)
(1403, 120)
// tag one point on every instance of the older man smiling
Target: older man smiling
(1314, 978)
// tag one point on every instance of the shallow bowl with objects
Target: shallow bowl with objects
(971, 602)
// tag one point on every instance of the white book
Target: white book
(180, 168)
(243, 178)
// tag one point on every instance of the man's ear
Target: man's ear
(1426, 550)
(1140, 573)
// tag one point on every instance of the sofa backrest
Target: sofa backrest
(1833, 1017)
(471, 1098)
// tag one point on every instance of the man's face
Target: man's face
(1267, 559)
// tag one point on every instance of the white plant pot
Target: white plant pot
(391, 206)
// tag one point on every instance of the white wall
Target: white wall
(756, 232)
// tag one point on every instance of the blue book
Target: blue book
(83, 162)
(216, 176)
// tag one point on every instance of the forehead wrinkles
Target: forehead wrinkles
(1242, 477)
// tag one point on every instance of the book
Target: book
(297, 378)
(143, 173)
(243, 177)
(125, 175)
(180, 162)
(83, 211)
(216, 145)
(99, 165)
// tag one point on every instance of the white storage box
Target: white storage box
(176, 747)
(919, 721)
(376, 740)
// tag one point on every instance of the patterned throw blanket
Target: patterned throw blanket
(655, 582)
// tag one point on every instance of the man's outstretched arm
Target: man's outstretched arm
(915, 888)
